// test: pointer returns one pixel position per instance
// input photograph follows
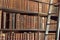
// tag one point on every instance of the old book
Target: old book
(18, 21)
(31, 6)
(22, 21)
(36, 37)
(22, 5)
(32, 22)
(3, 36)
(10, 21)
(4, 20)
(0, 3)
(18, 4)
(41, 36)
(45, 8)
(43, 23)
(24, 36)
(35, 7)
(13, 21)
(31, 36)
(28, 21)
(28, 36)
(40, 8)
(52, 36)
(0, 18)
(25, 21)
(36, 24)
(26, 5)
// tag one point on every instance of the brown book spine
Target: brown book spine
(0, 18)
(40, 8)
(31, 36)
(41, 36)
(28, 36)
(22, 5)
(22, 21)
(10, 21)
(28, 21)
(45, 8)
(31, 6)
(4, 20)
(18, 21)
(0, 3)
(36, 36)
(35, 7)
(25, 21)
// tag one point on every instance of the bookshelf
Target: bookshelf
(26, 21)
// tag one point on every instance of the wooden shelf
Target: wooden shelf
(26, 30)
(26, 12)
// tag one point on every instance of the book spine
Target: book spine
(40, 8)
(22, 5)
(22, 22)
(4, 20)
(13, 20)
(31, 36)
(10, 21)
(17, 21)
(0, 18)
(25, 21)
(36, 36)
(35, 7)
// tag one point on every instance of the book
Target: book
(31, 36)
(43, 23)
(0, 3)
(40, 8)
(31, 6)
(26, 5)
(32, 22)
(36, 37)
(4, 20)
(41, 36)
(36, 24)
(51, 36)
(24, 36)
(22, 21)
(18, 21)
(28, 36)
(25, 22)
(35, 7)
(0, 18)
(45, 8)
(10, 21)
(22, 5)
(13, 21)
(28, 22)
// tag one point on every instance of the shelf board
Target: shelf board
(26, 30)
(26, 12)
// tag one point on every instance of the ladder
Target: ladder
(58, 29)
(48, 22)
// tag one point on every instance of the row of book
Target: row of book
(26, 5)
(20, 21)
(26, 36)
